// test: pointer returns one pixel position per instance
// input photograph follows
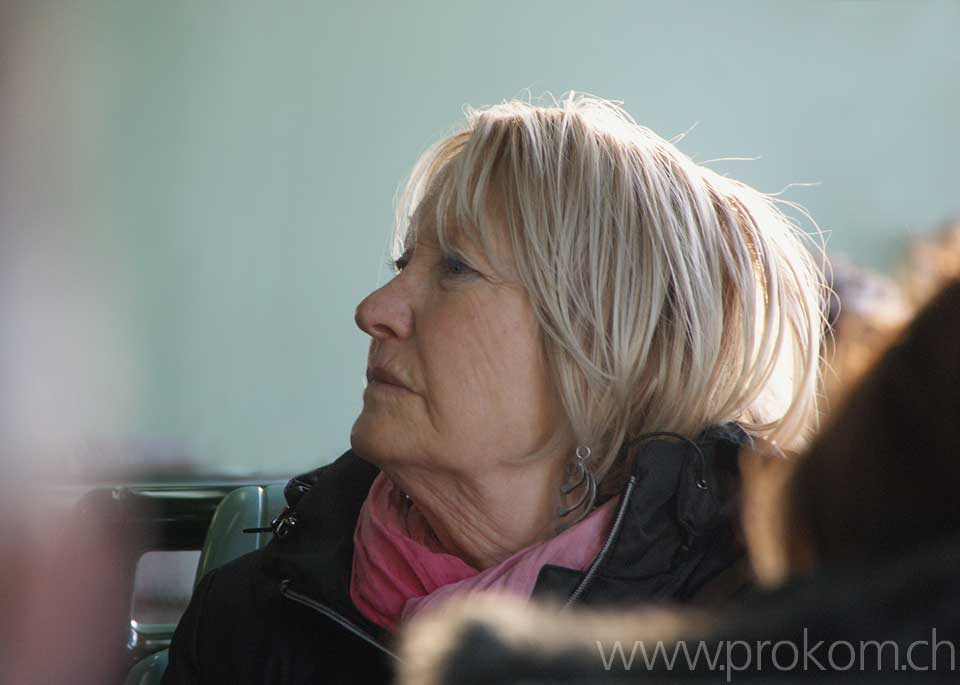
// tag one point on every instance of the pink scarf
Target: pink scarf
(398, 571)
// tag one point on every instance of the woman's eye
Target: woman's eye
(455, 267)
(399, 264)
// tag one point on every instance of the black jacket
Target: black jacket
(283, 614)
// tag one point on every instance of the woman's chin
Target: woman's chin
(370, 438)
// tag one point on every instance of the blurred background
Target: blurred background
(194, 196)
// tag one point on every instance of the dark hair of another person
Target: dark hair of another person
(883, 478)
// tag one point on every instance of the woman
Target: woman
(583, 328)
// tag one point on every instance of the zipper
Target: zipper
(337, 618)
(607, 545)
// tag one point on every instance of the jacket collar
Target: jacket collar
(673, 530)
(681, 496)
(315, 553)
(676, 527)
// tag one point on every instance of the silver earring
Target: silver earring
(581, 477)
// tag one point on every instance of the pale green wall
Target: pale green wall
(242, 157)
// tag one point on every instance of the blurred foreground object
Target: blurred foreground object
(61, 601)
(880, 480)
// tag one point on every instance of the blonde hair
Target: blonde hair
(670, 298)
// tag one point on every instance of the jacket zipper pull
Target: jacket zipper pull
(285, 521)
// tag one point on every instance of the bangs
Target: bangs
(455, 194)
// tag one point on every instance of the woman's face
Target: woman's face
(456, 379)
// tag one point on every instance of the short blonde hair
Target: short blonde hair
(670, 298)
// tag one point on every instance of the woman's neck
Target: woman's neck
(486, 518)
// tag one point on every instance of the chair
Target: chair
(252, 506)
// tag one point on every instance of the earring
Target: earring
(581, 477)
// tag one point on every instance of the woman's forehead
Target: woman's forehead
(432, 226)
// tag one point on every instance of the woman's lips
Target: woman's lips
(379, 376)
(386, 388)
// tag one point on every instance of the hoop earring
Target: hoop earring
(582, 477)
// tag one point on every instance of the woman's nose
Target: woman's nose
(385, 313)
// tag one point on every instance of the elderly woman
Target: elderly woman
(583, 328)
